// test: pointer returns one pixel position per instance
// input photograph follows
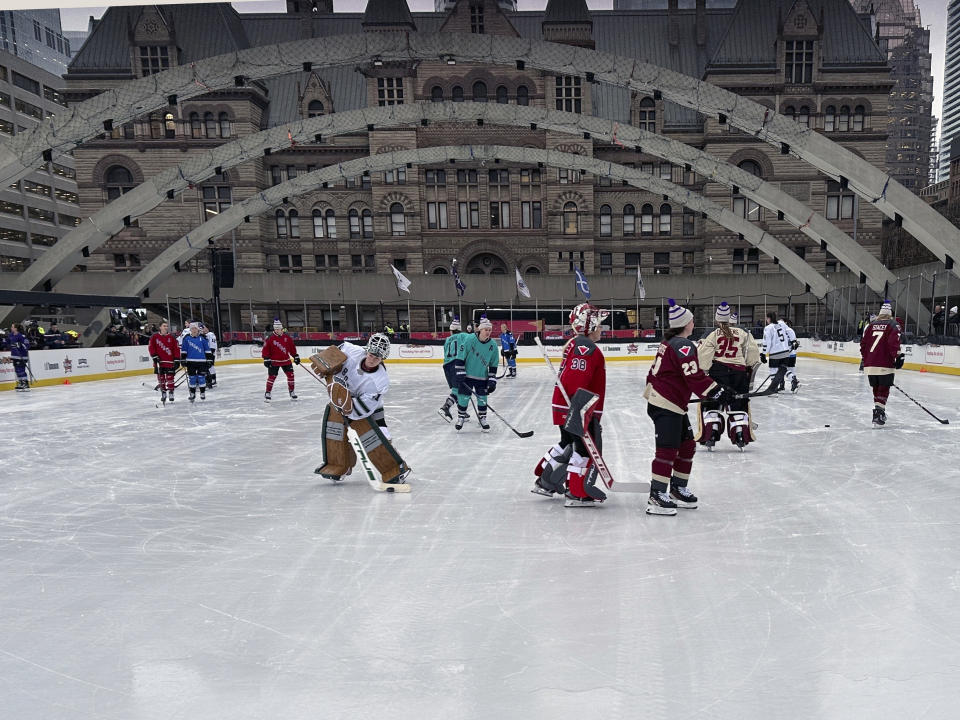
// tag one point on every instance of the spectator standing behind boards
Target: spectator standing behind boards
(20, 354)
(937, 320)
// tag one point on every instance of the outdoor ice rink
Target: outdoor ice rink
(186, 563)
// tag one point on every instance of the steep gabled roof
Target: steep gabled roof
(567, 11)
(387, 12)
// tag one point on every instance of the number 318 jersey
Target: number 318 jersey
(738, 351)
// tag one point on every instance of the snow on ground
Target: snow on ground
(186, 563)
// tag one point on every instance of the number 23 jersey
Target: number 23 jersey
(675, 375)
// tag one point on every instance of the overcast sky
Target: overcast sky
(933, 13)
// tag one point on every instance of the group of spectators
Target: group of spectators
(945, 322)
(40, 338)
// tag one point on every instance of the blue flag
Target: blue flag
(461, 288)
(582, 283)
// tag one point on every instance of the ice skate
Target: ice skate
(266, 396)
(659, 503)
(203, 393)
(163, 396)
(170, 396)
(879, 416)
(484, 425)
(573, 502)
(794, 384)
(461, 419)
(293, 395)
(444, 411)
(682, 497)
(193, 395)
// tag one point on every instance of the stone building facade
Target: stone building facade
(813, 59)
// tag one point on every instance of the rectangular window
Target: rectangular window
(25, 83)
(569, 93)
(830, 265)
(291, 172)
(276, 174)
(9, 208)
(389, 91)
(63, 171)
(6, 127)
(647, 167)
(436, 216)
(368, 224)
(689, 222)
(36, 188)
(40, 214)
(400, 264)
(565, 176)
(629, 223)
(606, 263)
(666, 171)
(68, 220)
(36, 30)
(67, 196)
(499, 215)
(746, 261)
(798, 62)
(661, 263)
(476, 19)
(531, 214)
(840, 205)
(606, 224)
(8, 235)
(463, 214)
(119, 260)
(13, 264)
(48, 241)
(396, 176)
(28, 109)
(474, 214)
(50, 38)
(688, 262)
(154, 59)
(354, 219)
(631, 262)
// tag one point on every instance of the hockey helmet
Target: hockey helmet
(379, 346)
(585, 318)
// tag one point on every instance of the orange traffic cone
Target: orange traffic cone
(923, 369)
(67, 381)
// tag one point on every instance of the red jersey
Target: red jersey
(278, 349)
(165, 347)
(879, 347)
(675, 375)
(582, 366)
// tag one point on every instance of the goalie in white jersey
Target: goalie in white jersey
(730, 356)
(779, 341)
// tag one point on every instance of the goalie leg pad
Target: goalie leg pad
(581, 412)
(378, 447)
(711, 426)
(739, 428)
(338, 455)
(554, 474)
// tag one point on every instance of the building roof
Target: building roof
(387, 12)
(567, 11)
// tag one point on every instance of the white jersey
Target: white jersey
(791, 336)
(183, 334)
(212, 341)
(367, 388)
(776, 339)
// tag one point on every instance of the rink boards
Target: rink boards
(60, 366)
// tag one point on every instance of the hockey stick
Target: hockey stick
(528, 433)
(588, 442)
(312, 374)
(939, 420)
(375, 483)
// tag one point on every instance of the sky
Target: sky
(932, 12)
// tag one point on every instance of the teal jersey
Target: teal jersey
(452, 345)
(480, 359)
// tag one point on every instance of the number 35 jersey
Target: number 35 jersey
(675, 375)
(739, 351)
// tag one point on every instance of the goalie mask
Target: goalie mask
(379, 346)
(585, 318)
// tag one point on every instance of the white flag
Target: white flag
(521, 285)
(402, 282)
(641, 290)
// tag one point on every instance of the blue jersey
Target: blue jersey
(507, 341)
(452, 345)
(19, 345)
(194, 348)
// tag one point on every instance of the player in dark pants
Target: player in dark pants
(880, 349)
(20, 356)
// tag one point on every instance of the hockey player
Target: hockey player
(880, 349)
(193, 351)
(211, 355)
(357, 381)
(792, 357)
(730, 356)
(508, 348)
(451, 347)
(165, 352)
(777, 348)
(674, 376)
(20, 355)
(476, 370)
(279, 353)
(582, 366)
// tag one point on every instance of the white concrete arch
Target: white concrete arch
(57, 261)
(195, 241)
(61, 134)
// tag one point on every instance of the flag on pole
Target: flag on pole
(461, 288)
(402, 282)
(641, 290)
(581, 283)
(521, 285)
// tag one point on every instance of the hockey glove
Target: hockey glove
(763, 358)
(794, 344)
(176, 365)
(156, 359)
(491, 385)
(725, 395)
(296, 359)
(898, 363)
(266, 363)
(156, 367)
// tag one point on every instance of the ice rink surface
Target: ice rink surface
(186, 562)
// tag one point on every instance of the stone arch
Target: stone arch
(485, 263)
(98, 176)
(526, 262)
(758, 156)
(395, 197)
(583, 207)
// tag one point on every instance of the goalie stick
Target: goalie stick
(588, 442)
(375, 482)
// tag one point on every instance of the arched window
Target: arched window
(331, 218)
(570, 223)
(196, 127)
(646, 219)
(858, 113)
(803, 117)
(843, 120)
(281, 224)
(745, 207)
(436, 94)
(118, 181)
(317, 224)
(169, 126)
(457, 93)
(440, 271)
(665, 219)
(224, 125)
(367, 218)
(293, 221)
(353, 218)
(606, 221)
(533, 270)
(830, 119)
(523, 95)
(629, 220)
(647, 115)
(502, 94)
(210, 124)
(790, 111)
(479, 91)
(398, 223)
(315, 109)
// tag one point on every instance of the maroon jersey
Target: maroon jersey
(879, 347)
(278, 349)
(165, 347)
(675, 375)
(582, 366)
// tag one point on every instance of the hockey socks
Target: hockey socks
(663, 463)
(880, 395)
(684, 461)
